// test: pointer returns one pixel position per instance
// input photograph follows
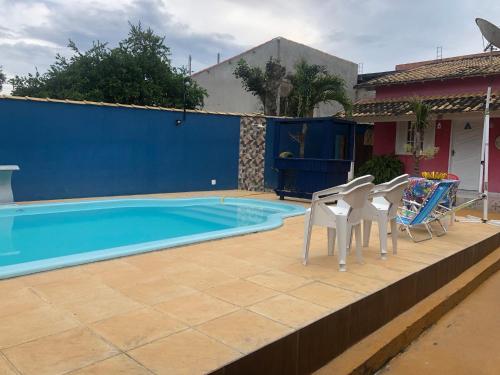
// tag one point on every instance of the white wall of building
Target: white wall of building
(227, 94)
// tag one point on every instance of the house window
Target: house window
(404, 137)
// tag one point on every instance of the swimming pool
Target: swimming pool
(38, 237)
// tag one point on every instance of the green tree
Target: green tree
(311, 85)
(264, 84)
(418, 127)
(138, 71)
(2, 78)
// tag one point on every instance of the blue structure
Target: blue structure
(74, 150)
(328, 153)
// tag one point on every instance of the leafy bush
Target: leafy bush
(382, 167)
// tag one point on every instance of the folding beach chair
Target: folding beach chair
(413, 214)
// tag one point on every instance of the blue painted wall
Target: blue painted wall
(71, 150)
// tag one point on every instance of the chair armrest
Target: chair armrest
(327, 192)
(412, 202)
(382, 186)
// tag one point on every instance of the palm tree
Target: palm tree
(418, 127)
(264, 84)
(312, 85)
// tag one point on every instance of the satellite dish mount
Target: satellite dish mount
(492, 35)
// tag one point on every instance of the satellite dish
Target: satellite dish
(490, 32)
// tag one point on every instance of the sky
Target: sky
(377, 33)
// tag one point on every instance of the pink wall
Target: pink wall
(430, 88)
(494, 156)
(385, 143)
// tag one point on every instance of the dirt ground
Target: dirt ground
(465, 341)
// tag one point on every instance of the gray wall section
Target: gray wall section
(227, 94)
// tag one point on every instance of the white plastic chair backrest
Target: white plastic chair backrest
(393, 196)
(395, 181)
(388, 185)
(341, 188)
(356, 198)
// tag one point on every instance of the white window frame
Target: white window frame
(402, 130)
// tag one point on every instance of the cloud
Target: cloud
(378, 33)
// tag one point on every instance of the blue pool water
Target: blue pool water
(46, 236)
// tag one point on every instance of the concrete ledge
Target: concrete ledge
(315, 345)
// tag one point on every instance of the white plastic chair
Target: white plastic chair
(335, 190)
(384, 209)
(341, 218)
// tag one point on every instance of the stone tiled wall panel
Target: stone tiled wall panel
(252, 151)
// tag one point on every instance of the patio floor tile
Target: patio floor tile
(72, 291)
(202, 278)
(60, 353)
(126, 277)
(135, 328)
(20, 300)
(241, 292)
(120, 364)
(195, 308)
(354, 282)
(100, 307)
(156, 291)
(267, 258)
(325, 295)
(244, 330)
(278, 280)
(187, 352)
(32, 324)
(5, 367)
(11, 285)
(289, 310)
(62, 275)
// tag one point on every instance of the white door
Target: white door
(467, 136)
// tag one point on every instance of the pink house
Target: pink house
(456, 89)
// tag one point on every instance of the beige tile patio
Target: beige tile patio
(156, 291)
(152, 261)
(126, 277)
(71, 291)
(59, 353)
(187, 352)
(135, 328)
(377, 271)
(354, 282)
(227, 264)
(67, 274)
(19, 300)
(278, 280)
(326, 295)
(100, 307)
(11, 285)
(241, 292)
(105, 266)
(5, 367)
(117, 365)
(289, 310)
(268, 258)
(244, 330)
(171, 269)
(196, 308)
(311, 271)
(202, 278)
(32, 324)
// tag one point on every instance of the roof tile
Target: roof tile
(486, 64)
